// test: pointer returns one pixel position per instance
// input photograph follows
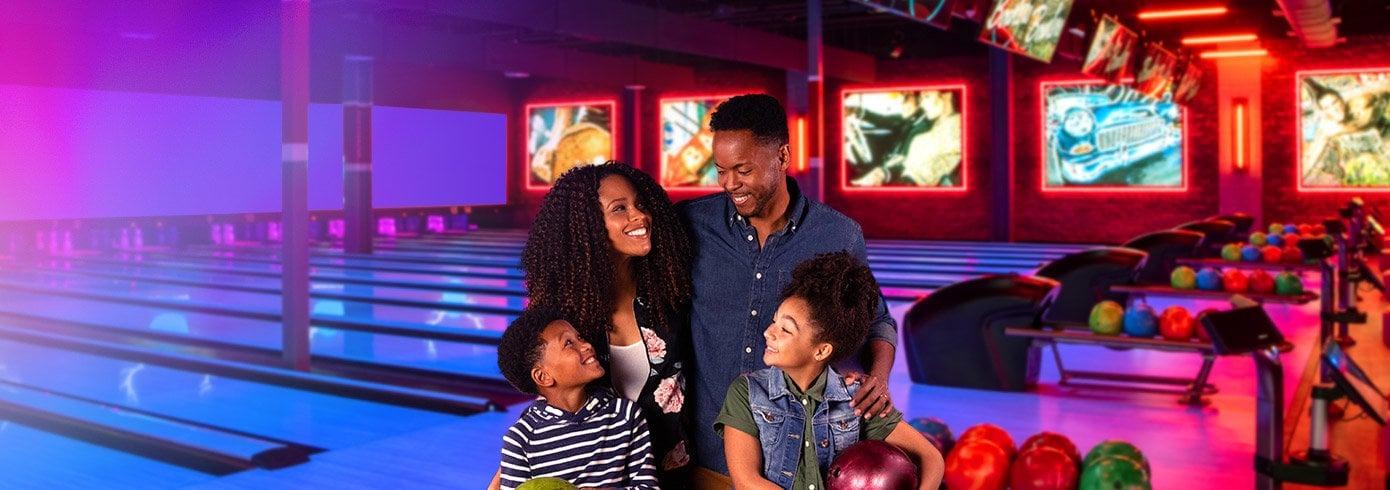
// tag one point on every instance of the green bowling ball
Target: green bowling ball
(1183, 277)
(1276, 228)
(1288, 283)
(1259, 239)
(1230, 252)
(1115, 447)
(1107, 318)
(1114, 473)
(547, 483)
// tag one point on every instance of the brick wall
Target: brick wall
(1283, 202)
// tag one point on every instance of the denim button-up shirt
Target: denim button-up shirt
(737, 289)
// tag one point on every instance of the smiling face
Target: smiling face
(567, 361)
(751, 172)
(629, 227)
(791, 338)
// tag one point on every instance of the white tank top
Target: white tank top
(629, 368)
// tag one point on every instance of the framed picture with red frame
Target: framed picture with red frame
(1028, 27)
(904, 138)
(563, 135)
(1112, 50)
(1104, 137)
(687, 151)
(1343, 130)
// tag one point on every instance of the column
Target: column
(358, 226)
(294, 123)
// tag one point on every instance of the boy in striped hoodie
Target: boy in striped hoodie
(586, 436)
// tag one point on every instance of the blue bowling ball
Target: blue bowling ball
(1275, 240)
(1209, 279)
(1248, 253)
(1291, 229)
(1140, 321)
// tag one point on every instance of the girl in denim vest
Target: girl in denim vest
(790, 420)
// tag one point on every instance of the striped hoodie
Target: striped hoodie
(604, 444)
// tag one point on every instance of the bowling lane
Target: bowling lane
(389, 350)
(320, 289)
(299, 416)
(252, 303)
(31, 458)
(249, 254)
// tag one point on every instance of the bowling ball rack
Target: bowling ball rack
(1191, 391)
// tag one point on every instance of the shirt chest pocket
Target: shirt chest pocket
(844, 430)
(772, 426)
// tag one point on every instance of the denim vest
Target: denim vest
(781, 421)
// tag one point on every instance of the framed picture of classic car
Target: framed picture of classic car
(1343, 130)
(561, 136)
(903, 138)
(1099, 136)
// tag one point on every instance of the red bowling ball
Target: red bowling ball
(991, 433)
(1059, 441)
(871, 465)
(1293, 254)
(1174, 324)
(1234, 281)
(1043, 468)
(1261, 282)
(977, 464)
(1272, 254)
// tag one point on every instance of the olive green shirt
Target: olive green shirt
(738, 414)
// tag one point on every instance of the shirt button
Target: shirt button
(747, 350)
(755, 312)
(803, 401)
(758, 275)
(750, 238)
(808, 444)
(813, 487)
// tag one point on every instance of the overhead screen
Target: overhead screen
(1344, 129)
(904, 138)
(1112, 50)
(1106, 136)
(1027, 27)
(687, 153)
(562, 136)
(67, 153)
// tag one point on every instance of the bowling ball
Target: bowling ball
(1259, 239)
(1140, 321)
(1293, 254)
(1305, 229)
(1208, 279)
(1272, 254)
(1115, 447)
(1107, 318)
(937, 430)
(1275, 228)
(1291, 239)
(1043, 468)
(1114, 473)
(1183, 277)
(1251, 253)
(976, 465)
(1288, 283)
(871, 465)
(1291, 229)
(1261, 282)
(1319, 228)
(546, 483)
(1052, 440)
(1275, 240)
(1176, 324)
(1234, 281)
(1230, 252)
(994, 433)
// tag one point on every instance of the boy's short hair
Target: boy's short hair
(842, 295)
(760, 113)
(521, 346)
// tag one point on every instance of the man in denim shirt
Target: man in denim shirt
(748, 240)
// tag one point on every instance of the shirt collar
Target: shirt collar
(543, 410)
(797, 206)
(820, 390)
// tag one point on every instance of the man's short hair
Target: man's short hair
(760, 113)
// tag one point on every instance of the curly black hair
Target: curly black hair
(760, 113)
(842, 295)
(521, 346)
(569, 262)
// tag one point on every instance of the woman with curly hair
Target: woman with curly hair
(608, 250)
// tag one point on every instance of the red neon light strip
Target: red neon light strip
(1240, 136)
(801, 163)
(964, 143)
(615, 132)
(1223, 38)
(1042, 150)
(1241, 53)
(1179, 13)
(1298, 138)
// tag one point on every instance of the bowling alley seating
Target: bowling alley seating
(955, 336)
(1085, 278)
(1164, 248)
(1215, 233)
